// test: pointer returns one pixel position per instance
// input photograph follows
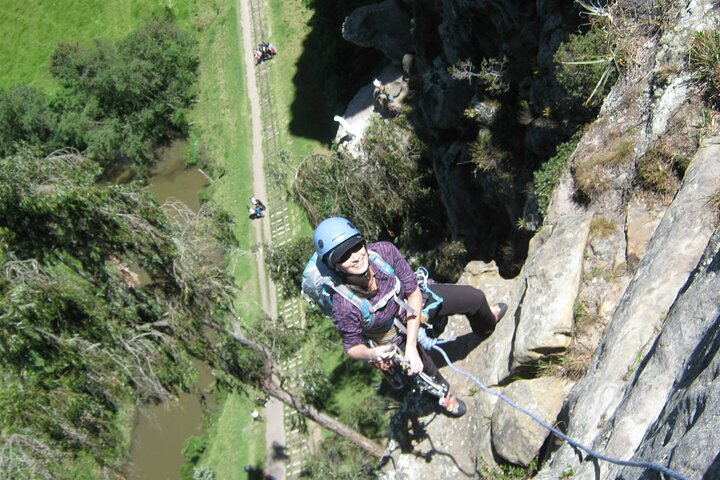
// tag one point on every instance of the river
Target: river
(161, 430)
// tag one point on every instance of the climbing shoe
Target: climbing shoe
(499, 310)
(453, 406)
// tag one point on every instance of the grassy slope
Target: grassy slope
(222, 117)
(32, 28)
(289, 28)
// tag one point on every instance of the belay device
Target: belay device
(395, 371)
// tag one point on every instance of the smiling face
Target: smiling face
(355, 261)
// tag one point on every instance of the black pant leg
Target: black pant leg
(464, 300)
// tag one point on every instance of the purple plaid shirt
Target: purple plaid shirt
(346, 316)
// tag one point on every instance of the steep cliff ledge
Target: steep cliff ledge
(612, 334)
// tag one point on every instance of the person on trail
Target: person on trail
(343, 249)
(255, 202)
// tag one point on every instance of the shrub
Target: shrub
(656, 171)
(601, 227)
(203, 473)
(286, 262)
(485, 154)
(193, 448)
(446, 262)
(508, 472)
(547, 177)
(191, 156)
(387, 192)
(705, 64)
(491, 74)
(586, 70)
(337, 458)
(593, 175)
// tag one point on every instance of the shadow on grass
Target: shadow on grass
(329, 71)
(350, 372)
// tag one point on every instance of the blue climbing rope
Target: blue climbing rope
(558, 433)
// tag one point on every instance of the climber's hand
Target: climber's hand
(382, 353)
(412, 361)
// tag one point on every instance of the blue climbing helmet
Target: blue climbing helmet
(335, 236)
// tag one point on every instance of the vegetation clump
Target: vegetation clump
(657, 171)
(81, 333)
(117, 101)
(336, 458)
(387, 192)
(547, 177)
(705, 64)
(594, 175)
(601, 227)
(586, 69)
(286, 263)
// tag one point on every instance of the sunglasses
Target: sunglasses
(346, 256)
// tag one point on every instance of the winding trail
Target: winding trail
(274, 413)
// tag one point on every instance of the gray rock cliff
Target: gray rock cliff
(612, 330)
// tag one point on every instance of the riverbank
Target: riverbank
(221, 121)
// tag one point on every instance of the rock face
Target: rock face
(609, 403)
(613, 321)
(552, 279)
(516, 437)
(383, 26)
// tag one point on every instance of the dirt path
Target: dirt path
(274, 424)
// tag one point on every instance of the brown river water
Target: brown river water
(160, 430)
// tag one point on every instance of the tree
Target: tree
(25, 119)
(286, 264)
(387, 191)
(130, 94)
(80, 332)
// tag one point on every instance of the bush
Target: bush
(446, 262)
(547, 177)
(130, 94)
(387, 193)
(705, 64)
(193, 448)
(286, 263)
(339, 459)
(203, 473)
(594, 175)
(656, 171)
(586, 70)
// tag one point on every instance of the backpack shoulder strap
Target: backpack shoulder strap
(377, 260)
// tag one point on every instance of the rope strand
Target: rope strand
(558, 433)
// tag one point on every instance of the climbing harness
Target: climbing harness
(396, 368)
(555, 431)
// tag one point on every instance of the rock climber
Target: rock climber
(341, 246)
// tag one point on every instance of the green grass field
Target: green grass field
(235, 440)
(222, 119)
(32, 28)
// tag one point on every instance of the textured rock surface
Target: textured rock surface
(516, 437)
(639, 297)
(552, 277)
(672, 256)
(672, 405)
(383, 26)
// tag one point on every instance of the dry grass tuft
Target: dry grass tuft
(715, 204)
(601, 227)
(594, 175)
